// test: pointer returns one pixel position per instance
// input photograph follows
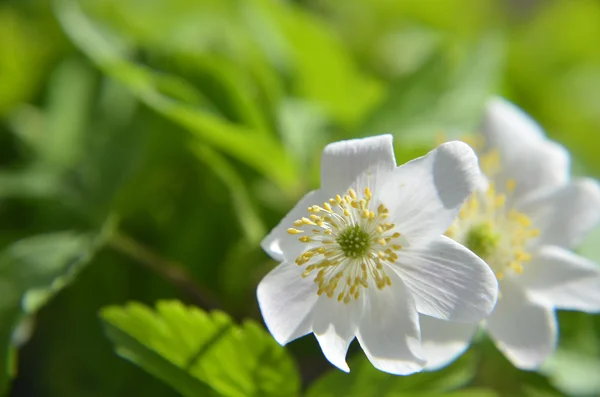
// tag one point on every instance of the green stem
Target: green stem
(173, 272)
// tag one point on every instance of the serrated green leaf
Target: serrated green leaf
(31, 272)
(200, 353)
(364, 379)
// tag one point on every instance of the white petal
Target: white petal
(566, 216)
(554, 271)
(444, 341)
(389, 329)
(523, 329)
(582, 295)
(286, 302)
(342, 162)
(277, 242)
(425, 194)
(335, 324)
(532, 161)
(563, 279)
(448, 281)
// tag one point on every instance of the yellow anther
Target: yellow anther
(307, 221)
(327, 207)
(522, 256)
(294, 231)
(352, 193)
(305, 239)
(368, 193)
(381, 241)
(517, 267)
(523, 220)
(511, 185)
(298, 223)
(500, 201)
(396, 235)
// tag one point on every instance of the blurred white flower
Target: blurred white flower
(364, 254)
(523, 221)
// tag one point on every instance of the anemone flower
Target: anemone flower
(364, 254)
(523, 221)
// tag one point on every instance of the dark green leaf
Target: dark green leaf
(31, 271)
(364, 379)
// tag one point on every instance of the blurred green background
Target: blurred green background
(146, 147)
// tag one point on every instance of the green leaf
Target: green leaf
(200, 353)
(512, 381)
(364, 379)
(244, 207)
(256, 148)
(70, 96)
(573, 373)
(31, 272)
(321, 67)
(441, 96)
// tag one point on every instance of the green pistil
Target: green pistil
(353, 241)
(482, 240)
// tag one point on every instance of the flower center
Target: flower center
(354, 241)
(497, 234)
(351, 245)
(483, 240)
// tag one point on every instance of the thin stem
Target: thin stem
(173, 272)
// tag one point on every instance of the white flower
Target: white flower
(365, 253)
(523, 223)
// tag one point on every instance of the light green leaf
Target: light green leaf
(440, 97)
(321, 67)
(71, 92)
(31, 272)
(574, 373)
(200, 353)
(364, 379)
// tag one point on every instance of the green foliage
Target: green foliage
(199, 353)
(364, 377)
(198, 124)
(442, 96)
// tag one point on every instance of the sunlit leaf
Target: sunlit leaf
(200, 353)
